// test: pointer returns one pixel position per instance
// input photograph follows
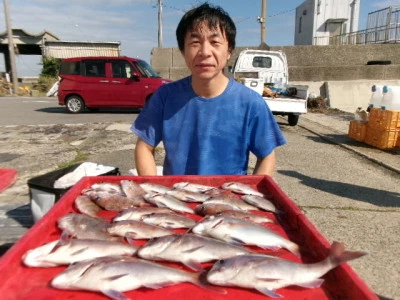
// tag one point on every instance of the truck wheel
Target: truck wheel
(75, 104)
(293, 119)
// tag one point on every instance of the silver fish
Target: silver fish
(113, 276)
(188, 196)
(210, 208)
(84, 227)
(247, 216)
(189, 249)
(261, 203)
(241, 188)
(168, 220)
(112, 188)
(136, 213)
(61, 252)
(154, 187)
(136, 230)
(86, 206)
(268, 273)
(132, 189)
(115, 202)
(193, 187)
(238, 231)
(233, 200)
(163, 200)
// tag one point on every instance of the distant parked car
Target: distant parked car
(106, 82)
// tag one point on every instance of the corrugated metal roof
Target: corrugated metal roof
(66, 49)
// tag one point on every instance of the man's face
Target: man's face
(206, 52)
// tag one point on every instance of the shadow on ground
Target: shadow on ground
(355, 192)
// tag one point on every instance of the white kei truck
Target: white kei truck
(267, 73)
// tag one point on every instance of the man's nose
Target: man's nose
(205, 48)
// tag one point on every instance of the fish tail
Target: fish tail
(294, 248)
(339, 255)
(200, 279)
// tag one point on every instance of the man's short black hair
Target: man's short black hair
(213, 16)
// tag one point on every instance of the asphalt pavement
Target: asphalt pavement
(112, 143)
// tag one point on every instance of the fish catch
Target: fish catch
(137, 213)
(238, 231)
(241, 188)
(193, 187)
(188, 196)
(189, 249)
(154, 187)
(113, 276)
(267, 273)
(246, 216)
(261, 203)
(82, 226)
(163, 200)
(168, 220)
(132, 189)
(136, 230)
(86, 206)
(62, 252)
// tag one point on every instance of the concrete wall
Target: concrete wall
(337, 72)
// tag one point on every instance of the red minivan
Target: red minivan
(106, 82)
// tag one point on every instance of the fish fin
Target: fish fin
(311, 284)
(131, 241)
(195, 266)
(269, 293)
(114, 294)
(64, 236)
(192, 249)
(156, 286)
(131, 235)
(236, 241)
(200, 279)
(274, 248)
(338, 255)
(79, 251)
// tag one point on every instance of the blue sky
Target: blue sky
(134, 23)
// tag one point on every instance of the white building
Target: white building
(319, 20)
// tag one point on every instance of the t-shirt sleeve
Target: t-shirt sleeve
(148, 125)
(265, 134)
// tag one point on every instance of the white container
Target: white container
(376, 97)
(256, 84)
(391, 98)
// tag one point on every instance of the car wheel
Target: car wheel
(293, 119)
(75, 104)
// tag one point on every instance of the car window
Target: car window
(121, 69)
(70, 68)
(146, 70)
(262, 62)
(94, 68)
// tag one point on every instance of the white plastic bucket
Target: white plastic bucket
(376, 96)
(391, 98)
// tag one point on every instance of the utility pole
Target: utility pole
(262, 20)
(11, 49)
(159, 23)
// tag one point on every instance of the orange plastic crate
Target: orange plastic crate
(384, 119)
(381, 139)
(357, 130)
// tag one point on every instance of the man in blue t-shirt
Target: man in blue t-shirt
(208, 123)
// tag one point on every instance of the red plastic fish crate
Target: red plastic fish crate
(357, 130)
(384, 119)
(21, 282)
(382, 139)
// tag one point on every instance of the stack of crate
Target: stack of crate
(383, 128)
